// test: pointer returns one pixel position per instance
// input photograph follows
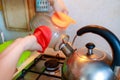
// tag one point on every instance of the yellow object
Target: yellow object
(0, 5)
(62, 20)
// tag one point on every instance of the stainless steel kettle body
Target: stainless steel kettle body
(79, 67)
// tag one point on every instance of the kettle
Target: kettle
(90, 63)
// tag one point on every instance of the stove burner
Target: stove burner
(52, 65)
(44, 67)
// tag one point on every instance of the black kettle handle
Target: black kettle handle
(108, 36)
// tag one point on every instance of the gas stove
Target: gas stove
(44, 67)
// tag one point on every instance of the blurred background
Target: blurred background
(105, 13)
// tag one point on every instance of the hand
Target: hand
(30, 43)
(58, 5)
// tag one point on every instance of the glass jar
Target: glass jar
(58, 34)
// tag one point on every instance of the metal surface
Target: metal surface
(38, 70)
(2, 36)
(81, 66)
(91, 71)
(67, 49)
(74, 65)
(117, 72)
(109, 36)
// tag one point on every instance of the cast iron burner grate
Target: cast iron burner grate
(52, 65)
(44, 67)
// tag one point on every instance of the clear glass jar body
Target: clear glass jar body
(58, 34)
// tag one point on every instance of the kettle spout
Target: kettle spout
(107, 35)
(67, 49)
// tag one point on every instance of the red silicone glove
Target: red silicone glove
(43, 35)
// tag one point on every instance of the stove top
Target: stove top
(44, 67)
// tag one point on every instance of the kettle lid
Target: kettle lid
(89, 53)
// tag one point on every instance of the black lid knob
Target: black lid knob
(90, 45)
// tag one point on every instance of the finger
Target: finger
(59, 6)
